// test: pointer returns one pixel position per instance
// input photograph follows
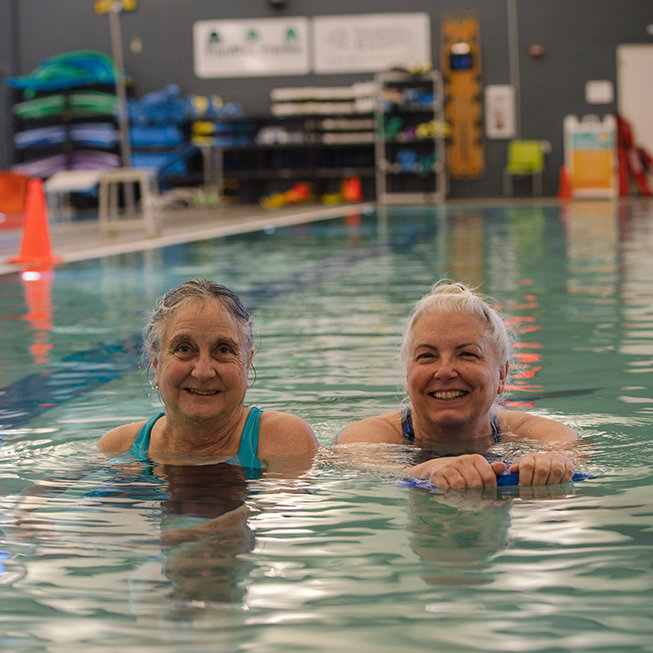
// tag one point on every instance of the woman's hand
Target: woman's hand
(543, 469)
(466, 471)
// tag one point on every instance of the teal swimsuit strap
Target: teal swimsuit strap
(247, 451)
(142, 442)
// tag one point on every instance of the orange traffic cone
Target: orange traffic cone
(35, 247)
(564, 188)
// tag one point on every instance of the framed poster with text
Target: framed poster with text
(371, 42)
(251, 48)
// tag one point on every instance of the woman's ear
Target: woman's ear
(503, 375)
(154, 362)
(248, 368)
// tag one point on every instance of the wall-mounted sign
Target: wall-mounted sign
(251, 48)
(371, 42)
(599, 91)
(500, 111)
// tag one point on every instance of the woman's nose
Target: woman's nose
(204, 367)
(445, 368)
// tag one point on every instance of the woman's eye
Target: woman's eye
(183, 349)
(424, 356)
(469, 354)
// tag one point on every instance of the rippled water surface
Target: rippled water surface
(341, 559)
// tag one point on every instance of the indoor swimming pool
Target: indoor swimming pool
(342, 558)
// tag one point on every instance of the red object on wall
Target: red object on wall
(634, 162)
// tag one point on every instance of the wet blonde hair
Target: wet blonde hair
(454, 297)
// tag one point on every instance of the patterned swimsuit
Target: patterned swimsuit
(408, 432)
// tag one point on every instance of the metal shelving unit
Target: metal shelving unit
(409, 144)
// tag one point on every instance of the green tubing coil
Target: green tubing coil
(79, 104)
(67, 70)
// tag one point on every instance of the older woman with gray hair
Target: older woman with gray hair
(199, 341)
(456, 354)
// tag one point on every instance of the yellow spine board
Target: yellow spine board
(105, 6)
(461, 71)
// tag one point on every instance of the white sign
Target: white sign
(371, 42)
(599, 91)
(251, 48)
(500, 111)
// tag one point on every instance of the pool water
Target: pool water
(342, 558)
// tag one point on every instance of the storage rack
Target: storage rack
(410, 138)
(315, 135)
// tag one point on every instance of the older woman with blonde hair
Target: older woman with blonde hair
(456, 354)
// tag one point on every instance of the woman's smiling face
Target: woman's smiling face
(453, 376)
(202, 369)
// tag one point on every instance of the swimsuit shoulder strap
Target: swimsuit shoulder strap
(142, 442)
(249, 439)
(407, 430)
(495, 429)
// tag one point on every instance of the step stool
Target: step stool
(60, 185)
(110, 217)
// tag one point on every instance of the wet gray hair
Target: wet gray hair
(189, 291)
(454, 297)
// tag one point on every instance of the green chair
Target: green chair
(525, 159)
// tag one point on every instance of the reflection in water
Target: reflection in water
(203, 530)
(37, 286)
(180, 529)
(205, 566)
(466, 249)
(592, 247)
(527, 230)
(353, 222)
(456, 533)
(527, 356)
(637, 301)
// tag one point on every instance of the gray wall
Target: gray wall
(580, 38)
(7, 67)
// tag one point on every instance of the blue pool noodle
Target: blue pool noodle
(502, 480)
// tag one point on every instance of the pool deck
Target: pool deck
(79, 239)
